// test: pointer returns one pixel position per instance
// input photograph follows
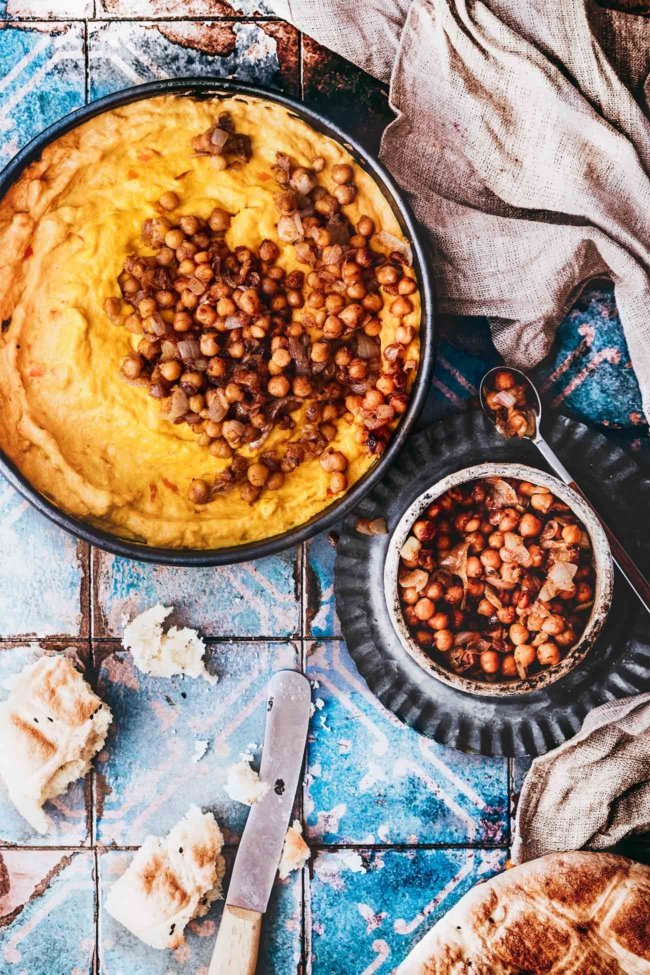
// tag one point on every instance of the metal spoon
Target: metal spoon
(626, 565)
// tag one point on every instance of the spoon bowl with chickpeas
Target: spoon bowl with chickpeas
(498, 579)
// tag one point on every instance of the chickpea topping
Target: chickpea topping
(225, 332)
(132, 366)
(401, 306)
(342, 173)
(199, 492)
(168, 201)
(333, 460)
(337, 483)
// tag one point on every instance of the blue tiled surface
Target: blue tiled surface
(372, 780)
(252, 599)
(53, 898)
(160, 724)
(372, 907)
(123, 54)
(41, 573)
(42, 77)
(400, 827)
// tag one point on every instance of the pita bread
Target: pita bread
(51, 726)
(170, 880)
(563, 914)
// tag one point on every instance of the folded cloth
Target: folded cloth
(524, 153)
(594, 790)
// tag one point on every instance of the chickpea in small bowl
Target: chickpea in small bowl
(498, 579)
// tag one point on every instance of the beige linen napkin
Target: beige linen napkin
(524, 153)
(594, 790)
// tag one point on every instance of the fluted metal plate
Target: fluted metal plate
(617, 666)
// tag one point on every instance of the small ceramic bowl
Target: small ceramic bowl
(604, 572)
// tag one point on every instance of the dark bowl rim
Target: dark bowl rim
(163, 555)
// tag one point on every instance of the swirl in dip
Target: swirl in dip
(135, 400)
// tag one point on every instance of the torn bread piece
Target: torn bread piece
(295, 851)
(51, 726)
(164, 654)
(170, 881)
(243, 783)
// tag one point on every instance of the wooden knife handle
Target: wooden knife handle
(625, 563)
(238, 942)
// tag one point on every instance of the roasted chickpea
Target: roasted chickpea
(553, 624)
(529, 526)
(518, 634)
(491, 559)
(490, 661)
(435, 591)
(199, 492)
(584, 592)
(454, 595)
(338, 482)
(542, 502)
(525, 655)
(401, 306)
(508, 666)
(508, 520)
(548, 654)
(506, 615)
(474, 567)
(443, 640)
(485, 608)
(439, 621)
(333, 460)
(342, 173)
(504, 380)
(170, 370)
(567, 638)
(424, 609)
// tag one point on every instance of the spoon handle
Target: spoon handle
(626, 565)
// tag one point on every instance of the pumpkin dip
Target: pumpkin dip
(223, 384)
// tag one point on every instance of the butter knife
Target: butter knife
(260, 848)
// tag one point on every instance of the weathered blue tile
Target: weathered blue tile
(320, 553)
(589, 370)
(68, 813)
(121, 953)
(253, 599)
(46, 9)
(372, 779)
(47, 918)
(383, 902)
(41, 573)
(161, 726)
(154, 9)
(42, 77)
(123, 54)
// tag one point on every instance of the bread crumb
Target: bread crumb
(170, 881)
(164, 654)
(295, 852)
(243, 783)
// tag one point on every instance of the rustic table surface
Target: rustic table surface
(400, 828)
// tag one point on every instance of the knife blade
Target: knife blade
(260, 847)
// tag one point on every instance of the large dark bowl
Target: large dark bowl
(201, 87)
